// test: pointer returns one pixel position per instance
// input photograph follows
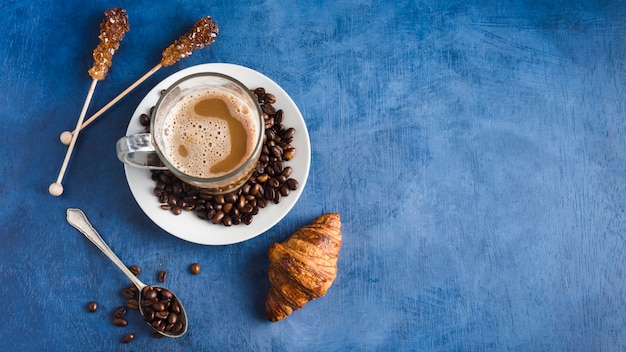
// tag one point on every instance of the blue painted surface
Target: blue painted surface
(475, 151)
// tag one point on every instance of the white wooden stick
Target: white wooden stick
(56, 189)
(66, 137)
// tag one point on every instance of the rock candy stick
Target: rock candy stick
(112, 30)
(203, 33)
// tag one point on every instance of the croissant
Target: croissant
(303, 267)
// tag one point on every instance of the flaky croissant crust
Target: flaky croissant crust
(303, 267)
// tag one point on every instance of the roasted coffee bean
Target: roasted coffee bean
(194, 268)
(144, 119)
(255, 189)
(270, 98)
(273, 182)
(158, 324)
(277, 152)
(92, 306)
(284, 190)
(129, 337)
(270, 134)
(292, 184)
(168, 295)
(147, 303)
(278, 168)
(286, 172)
(268, 109)
(278, 117)
(128, 293)
(148, 315)
(288, 133)
(247, 208)
(289, 154)
(149, 295)
(119, 322)
(219, 216)
(270, 194)
(277, 197)
(135, 270)
(162, 276)
(241, 201)
(132, 303)
(175, 307)
(230, 197)
(158, 306)
(176, 210)
(119, 312)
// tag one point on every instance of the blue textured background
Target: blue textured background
(475, 151)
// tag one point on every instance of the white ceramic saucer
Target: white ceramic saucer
(188, 226)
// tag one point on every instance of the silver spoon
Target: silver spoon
(173, 318)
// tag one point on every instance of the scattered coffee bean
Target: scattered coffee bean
(162, 276)
(120, 322)
(92, 306)
(119, 312)
(269, 183)
(135, 270)
(128, 293)
(129, 337)
(194, 268)
(132, 303)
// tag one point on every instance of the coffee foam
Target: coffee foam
(193, 143)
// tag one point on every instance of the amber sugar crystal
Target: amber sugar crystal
(201, 34)
(112, 30)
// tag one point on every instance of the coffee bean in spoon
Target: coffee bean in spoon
(162, 310)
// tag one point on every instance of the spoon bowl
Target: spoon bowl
(158, 306)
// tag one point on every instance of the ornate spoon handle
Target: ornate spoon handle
(78, 220)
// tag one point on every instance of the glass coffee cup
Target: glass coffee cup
(206, 128)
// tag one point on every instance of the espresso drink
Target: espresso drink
(209, 134)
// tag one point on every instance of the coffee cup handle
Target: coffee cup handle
(137, 150)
